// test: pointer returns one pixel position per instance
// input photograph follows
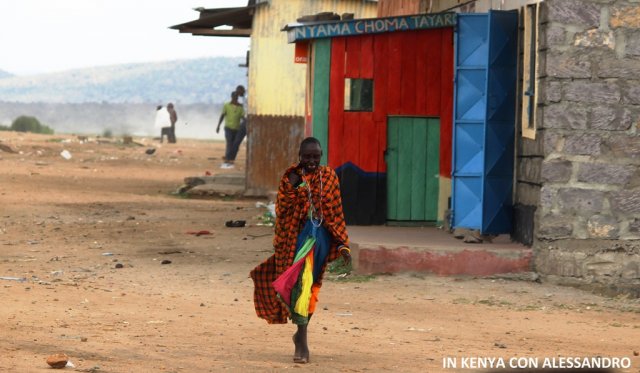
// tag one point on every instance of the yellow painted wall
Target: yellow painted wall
(276, 84)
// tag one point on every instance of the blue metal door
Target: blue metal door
(484, 121)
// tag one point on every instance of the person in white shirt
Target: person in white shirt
(163, 120)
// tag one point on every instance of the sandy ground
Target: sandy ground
(66, 224)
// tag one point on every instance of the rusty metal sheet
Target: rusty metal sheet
(272, 146)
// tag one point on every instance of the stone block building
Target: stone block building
(577, 196)
(576, 189)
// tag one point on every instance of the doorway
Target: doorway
(413, 167)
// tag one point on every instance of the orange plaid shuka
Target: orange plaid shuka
(292, 209)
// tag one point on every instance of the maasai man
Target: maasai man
(310, 231)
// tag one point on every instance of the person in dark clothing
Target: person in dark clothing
(170, 131)
(310, 231)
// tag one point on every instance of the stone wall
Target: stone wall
(587, 224)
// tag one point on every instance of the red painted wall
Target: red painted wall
(413, 76)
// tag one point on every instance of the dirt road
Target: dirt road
(65, 226)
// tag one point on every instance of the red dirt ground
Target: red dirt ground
(58, 219)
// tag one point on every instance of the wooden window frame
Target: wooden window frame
(348, 82)
(530, 66)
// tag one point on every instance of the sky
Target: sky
(43, 36)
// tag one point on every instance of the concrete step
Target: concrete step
(216, 190)
(221, 185)
(384, 249)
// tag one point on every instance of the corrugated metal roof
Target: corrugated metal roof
(239, 18)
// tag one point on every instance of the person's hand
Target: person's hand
(294, 178)
(218, 129)
(346, 255)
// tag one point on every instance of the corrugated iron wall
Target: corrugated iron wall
(480, 6)
(276, 84)
(389, 8)
(277, 148)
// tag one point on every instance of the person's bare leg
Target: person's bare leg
(297, 352)
(301, 354)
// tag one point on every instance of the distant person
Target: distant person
(242, 99)
(171, 130)
(163, 120)
(232, 113)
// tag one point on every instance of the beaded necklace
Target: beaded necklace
(315, 216)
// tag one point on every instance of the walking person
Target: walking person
(232, 113)
(242, 100)
(173, 118)
(310, 231)
(166, 119)
(163, 121)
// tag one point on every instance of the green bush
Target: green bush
(107, 133)
(4, 128)
(26, 123)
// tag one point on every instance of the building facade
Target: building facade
(573, 167)
(276, 89)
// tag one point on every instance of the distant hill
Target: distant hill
(5, 74)
(203, 80)
(196, 121)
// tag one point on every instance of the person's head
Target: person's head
(310, 154)
(240, 90)
(234, 97)
(159, 107)
(170, 105)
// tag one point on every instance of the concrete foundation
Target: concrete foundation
(432, 250)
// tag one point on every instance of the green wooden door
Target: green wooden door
(413, 165)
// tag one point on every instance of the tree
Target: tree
(26, 123)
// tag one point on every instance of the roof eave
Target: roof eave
(214, 32)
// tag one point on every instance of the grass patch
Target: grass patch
(353, 278)
(563, 306)
(339, 267)
(494, 302)
(268, 220)
(461, 301)
(342, 272)
(529, 307)
(488, 302)
(589, 304)
(181, 193)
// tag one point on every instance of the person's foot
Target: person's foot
(297, 354)
(227, 165)
(301, 354)
(303, 358)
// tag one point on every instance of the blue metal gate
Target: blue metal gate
(484, 120)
